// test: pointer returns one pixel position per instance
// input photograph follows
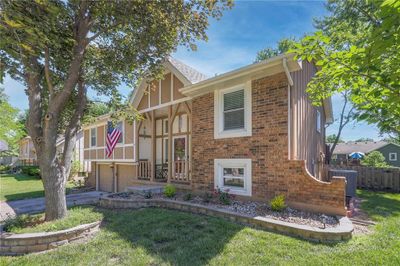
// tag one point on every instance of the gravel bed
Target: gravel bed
(251, 208)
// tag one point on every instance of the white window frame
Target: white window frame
(220, 164)
(219, 131)
(95, 136)
(395, 156)
(318, 118)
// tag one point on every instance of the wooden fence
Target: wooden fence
(375, 178)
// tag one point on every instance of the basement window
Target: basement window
(233, 175)
(393, 156)
(232, 112)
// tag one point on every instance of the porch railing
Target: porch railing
(144, 170)
(180, 171)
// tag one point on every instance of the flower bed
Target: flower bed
(337, 231)
(250, 208)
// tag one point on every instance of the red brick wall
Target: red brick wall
(272, 172)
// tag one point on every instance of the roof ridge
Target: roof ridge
(192, 74)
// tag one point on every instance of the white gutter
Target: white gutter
(287, 72)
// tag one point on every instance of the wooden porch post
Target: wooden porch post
(169, 143)
(188, 165)
(137, 128)
(153, 146)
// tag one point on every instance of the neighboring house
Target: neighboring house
(391, 151)
(252, 130)
(27, 152)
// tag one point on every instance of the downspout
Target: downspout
(290, 80)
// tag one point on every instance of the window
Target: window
(165, 150)
(233, 174)
(232, 112)
(93, 136)
(393, 156)
(166, 126)
(318, 121)
(120, 127)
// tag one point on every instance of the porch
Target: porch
(163, 134)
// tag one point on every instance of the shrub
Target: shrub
(21, 221)
(223, 196)
(169, 191)
(278, 203)
(375, 159)
(187, 196)
(31, 170)
(75, 166)
(207, 197)
(4, 168)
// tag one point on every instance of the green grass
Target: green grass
(76, 216)
(165, 237)
(21, 186)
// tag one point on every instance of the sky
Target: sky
(234, 41)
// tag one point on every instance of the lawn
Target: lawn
(165, 237)
(21, 186)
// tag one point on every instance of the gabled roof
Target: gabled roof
(191, 74)
(365, 147)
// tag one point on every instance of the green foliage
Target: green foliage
(169, 191)
(21, 221)
(223, 196)
(364, 140)
(278, 203)
(331, 139)
(4, 168)
(31, 171)
(283, 46)
(75, 166)
(375, 159)
(357, 49)
(11, 129)
(207, 197)
(188, 196)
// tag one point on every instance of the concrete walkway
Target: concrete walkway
(30, 206)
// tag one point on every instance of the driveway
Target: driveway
(30, 206)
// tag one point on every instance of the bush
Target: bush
(4, 168)
(187, 196)
(21, 221)
(207, 197)
(278, 203)
(223, 196)
(169, 191)
(75, 166)
(31, 170)
(375, 159)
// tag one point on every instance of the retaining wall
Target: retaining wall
(18, 244)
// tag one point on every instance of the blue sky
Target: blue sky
(234, 41)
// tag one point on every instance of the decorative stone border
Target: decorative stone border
(18, 244)
(340, 233)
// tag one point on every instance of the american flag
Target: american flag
(113, 135)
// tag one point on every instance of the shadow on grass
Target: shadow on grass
(175, 237)
(380, 205)
(24, 195)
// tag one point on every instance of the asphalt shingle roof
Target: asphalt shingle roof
(365, 147)
(190, 73)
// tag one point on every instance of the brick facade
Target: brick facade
(272, 172)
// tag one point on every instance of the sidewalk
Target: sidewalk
(37, 205)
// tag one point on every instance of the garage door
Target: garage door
(126, 175)
(105, 178)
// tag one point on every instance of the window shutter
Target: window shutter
(234, 110)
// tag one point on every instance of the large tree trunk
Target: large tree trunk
(54, 181)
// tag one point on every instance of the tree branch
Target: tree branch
(47, 72)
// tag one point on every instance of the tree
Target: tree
(364, 140)
(11, 129)
(59, 49)
(357, 49)
(331, 138)
(346, 115)
(282, 47)
(375, 159)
